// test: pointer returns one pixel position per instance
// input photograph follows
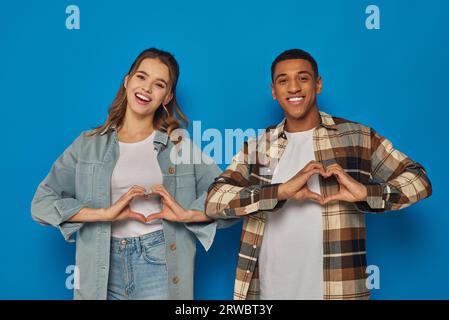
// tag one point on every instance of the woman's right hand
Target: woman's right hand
(120, 210)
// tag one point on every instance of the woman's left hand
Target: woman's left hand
(172, 210)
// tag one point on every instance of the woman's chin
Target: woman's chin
(142, 111)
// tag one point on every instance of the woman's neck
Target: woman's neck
(135, 127)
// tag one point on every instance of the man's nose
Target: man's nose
(294, 87)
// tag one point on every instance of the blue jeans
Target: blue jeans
(138, 268)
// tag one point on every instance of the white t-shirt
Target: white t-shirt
(291, 257)
(136, 165)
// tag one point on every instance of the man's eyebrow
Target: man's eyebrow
(160, 79)
(300, 72)
(280, 75)
(306, 72)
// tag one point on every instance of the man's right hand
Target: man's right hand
(296, 187)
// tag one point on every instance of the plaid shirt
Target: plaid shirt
(244, 189)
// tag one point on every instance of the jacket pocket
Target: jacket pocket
(84, 181)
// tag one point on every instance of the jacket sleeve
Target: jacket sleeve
(397, 181)
(233, 195)
(54, 201)
(205, 173)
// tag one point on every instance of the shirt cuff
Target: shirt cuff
(68, 207)
(268, 197)
(374, 200)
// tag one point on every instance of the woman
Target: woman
(112, 183)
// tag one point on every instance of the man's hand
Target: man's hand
(296, 187)
(350, 189)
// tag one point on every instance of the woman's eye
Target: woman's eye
(139, 76)
(160, 85)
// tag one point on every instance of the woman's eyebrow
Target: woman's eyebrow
(160, 79)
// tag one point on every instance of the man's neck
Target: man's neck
(311, 120)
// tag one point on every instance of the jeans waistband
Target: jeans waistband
(137, 243)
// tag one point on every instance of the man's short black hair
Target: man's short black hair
(294, 54)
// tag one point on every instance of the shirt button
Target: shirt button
(175, 280)
(254, 246)
(123, 242)
(247, 271)
(171, 170)
(173, 247)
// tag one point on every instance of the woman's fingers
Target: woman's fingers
(154, 216)
(136, 216)
(162, 189)
(165, 197)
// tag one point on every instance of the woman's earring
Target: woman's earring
(166, 111)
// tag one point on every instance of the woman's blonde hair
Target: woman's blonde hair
(166, 120)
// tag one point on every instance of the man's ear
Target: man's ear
(319, 85)
(273, 94)
(125, 83)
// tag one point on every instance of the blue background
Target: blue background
(56, 82)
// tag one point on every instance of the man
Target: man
(331, 171)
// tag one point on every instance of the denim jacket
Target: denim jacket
(81, 177)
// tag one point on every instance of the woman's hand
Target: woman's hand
(120, 210)
(172, 210)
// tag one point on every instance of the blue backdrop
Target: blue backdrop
(56, 82)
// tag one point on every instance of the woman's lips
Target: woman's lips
(142, 99)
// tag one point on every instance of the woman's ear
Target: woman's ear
(168, 98)
(125, 83)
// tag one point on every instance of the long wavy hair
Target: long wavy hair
(163, 120)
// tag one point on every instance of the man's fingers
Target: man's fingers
(340, 174)
(306, 175)
(312, 165)
(313, 196)
(334, 197)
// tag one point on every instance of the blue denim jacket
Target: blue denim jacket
(81, 177)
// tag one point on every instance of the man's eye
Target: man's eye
(304, 78)
(282, 81)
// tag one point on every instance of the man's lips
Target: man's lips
(295, 100)
(142, 98)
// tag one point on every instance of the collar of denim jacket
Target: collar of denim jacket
(159, 137)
